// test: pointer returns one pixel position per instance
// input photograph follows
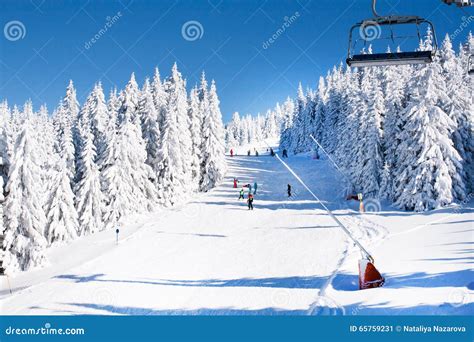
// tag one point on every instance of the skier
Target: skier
(241, 194)
(250, 188)
(231, 152)
(285, 153)
(235, 183)
(255, 188)
(272, 153)
(250, 201)
(248, 153)
(256, 153)
(289, 190)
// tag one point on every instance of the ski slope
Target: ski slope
(213, 256)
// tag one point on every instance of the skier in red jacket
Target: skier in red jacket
(235, 183)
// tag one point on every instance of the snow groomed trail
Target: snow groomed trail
(213, 256)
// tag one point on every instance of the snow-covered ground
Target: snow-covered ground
(212, 256)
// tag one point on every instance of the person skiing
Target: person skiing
(235, 183)
(272, 153)
(241, 194)
(250, 188)
(231, 152)
(248, 153)
(255, 188)
(250, 201)
(285, 153)
(256, 153)
(289, 190)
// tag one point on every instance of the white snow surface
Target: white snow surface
(212, 256)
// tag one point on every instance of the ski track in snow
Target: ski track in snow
(212, 256)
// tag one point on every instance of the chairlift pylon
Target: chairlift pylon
(389, 58)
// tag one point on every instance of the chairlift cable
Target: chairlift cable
(339, 223)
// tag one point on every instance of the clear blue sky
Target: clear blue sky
(149, 33)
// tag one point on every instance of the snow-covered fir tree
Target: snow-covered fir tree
(213, 165)
(89, 199)
(61, 215)
(24, 215)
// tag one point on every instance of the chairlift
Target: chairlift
(459, 3)
(470, 65)
(389, 58)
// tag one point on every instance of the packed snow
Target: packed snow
(213, 256)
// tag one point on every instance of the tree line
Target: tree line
(83, 168)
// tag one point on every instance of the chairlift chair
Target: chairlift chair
(389, 58)
(459, 3)
(470, 65)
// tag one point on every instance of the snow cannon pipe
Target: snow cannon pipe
(339, 223)
(332, 160)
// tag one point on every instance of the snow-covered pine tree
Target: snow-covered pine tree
(151, 130)
(369, 156)
(126, 178)
(61, 215)
(298, 121)
(159, 96)
(195, 128)
(330, 133)
(89, 199)
(396, 80)
(178, 101)
(458, 106)
(270, 126)
(213, 166)
(233, 132)
(25, 219)
(65, 142)
(45, 136)
(424, 176)
(287, 124)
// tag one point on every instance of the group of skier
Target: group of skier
(250, 194)
(248, 186)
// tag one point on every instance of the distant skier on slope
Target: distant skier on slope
(231, 152)
(250, 201)
(289, 190)
(241, 194)
(235, 183)
(285, 153)
(255, 188)
(250, 188)
(248, 153)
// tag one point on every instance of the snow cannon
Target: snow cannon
(369, 276)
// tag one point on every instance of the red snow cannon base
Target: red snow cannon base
(369, 277)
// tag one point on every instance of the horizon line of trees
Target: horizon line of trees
(83, 168)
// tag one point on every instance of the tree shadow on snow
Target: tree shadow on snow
(296, 282)
(128, 310)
